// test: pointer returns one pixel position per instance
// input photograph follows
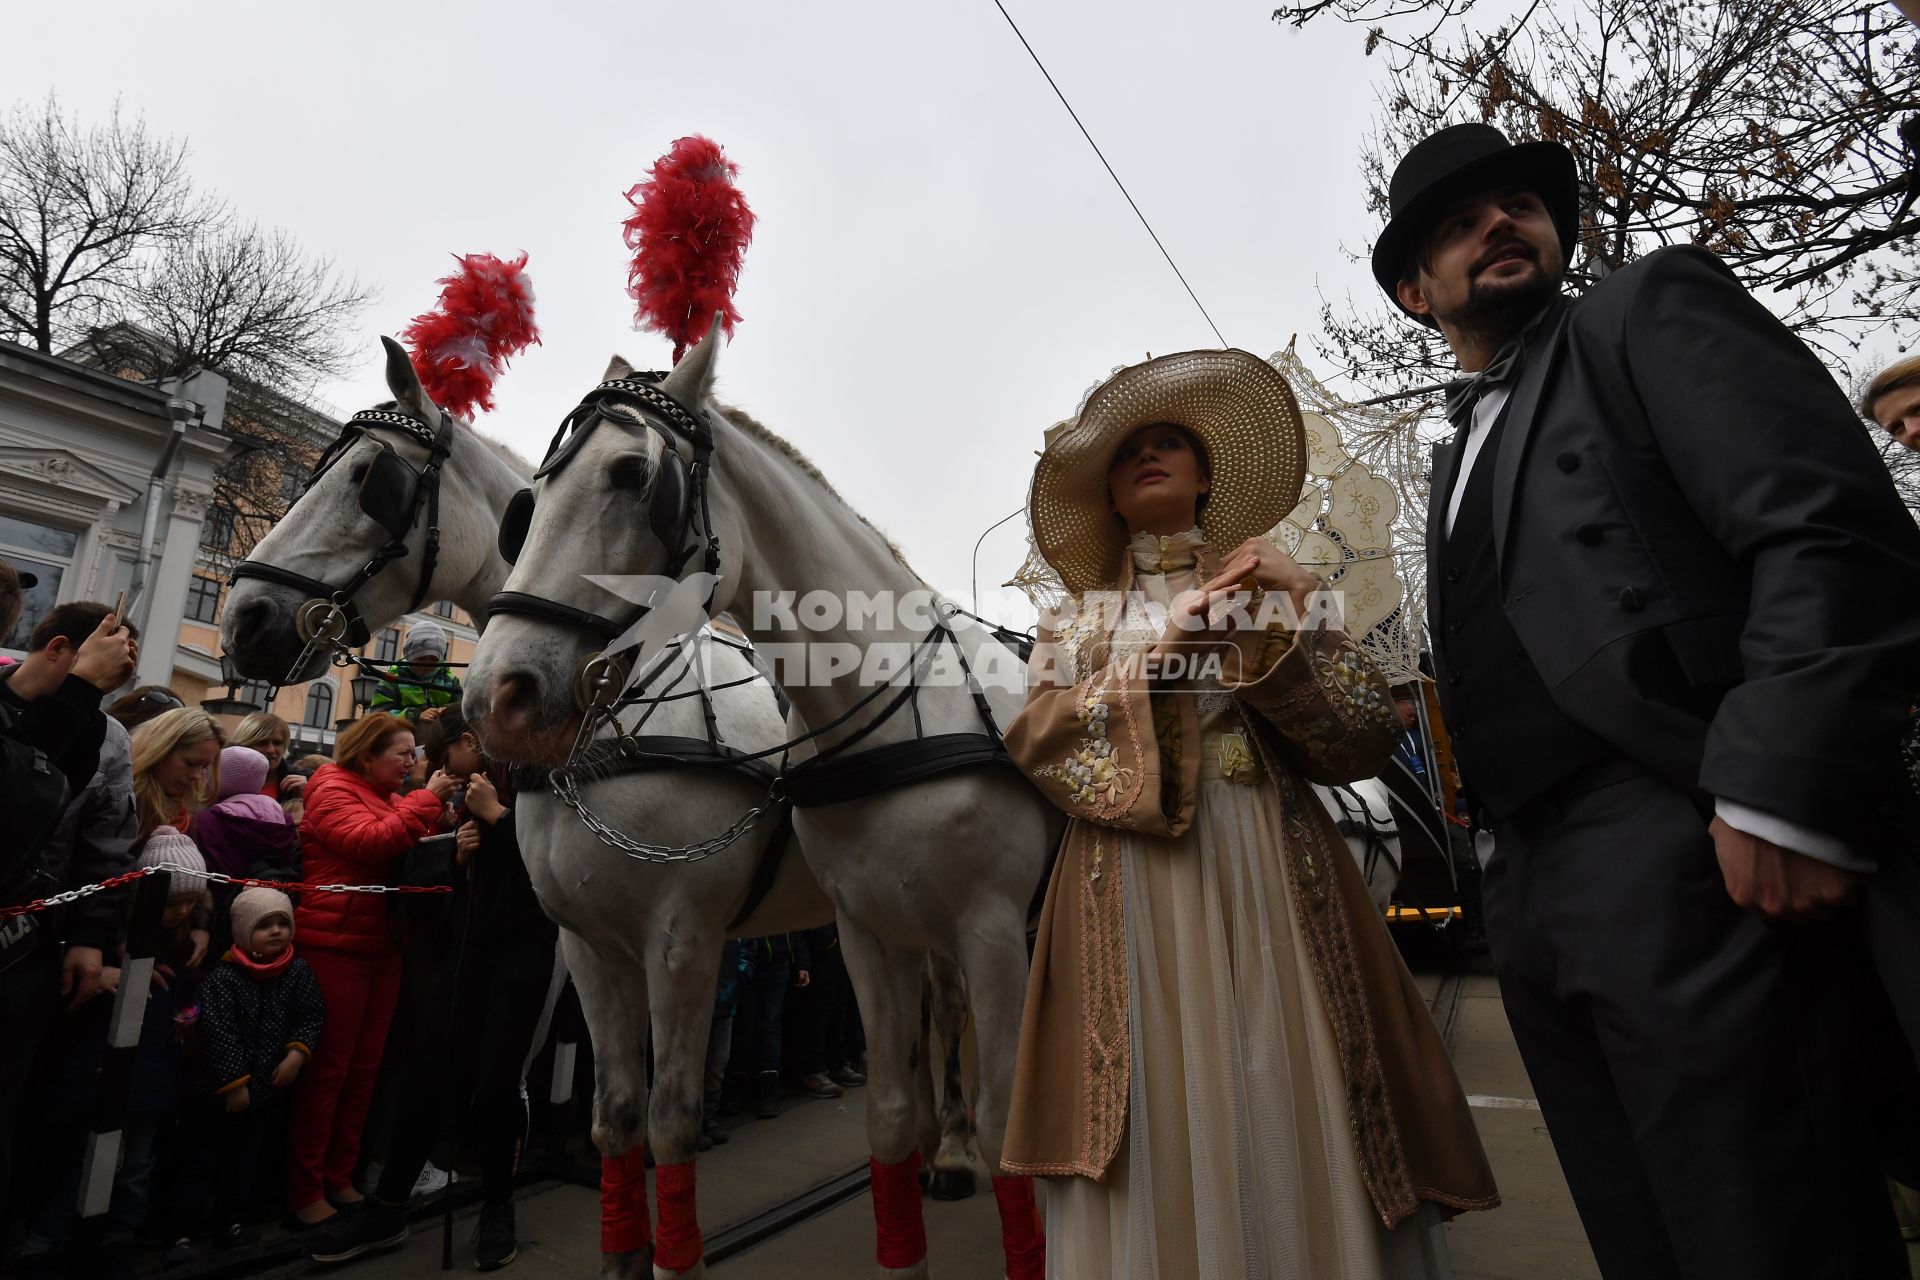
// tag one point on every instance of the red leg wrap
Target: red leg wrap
(1020, 1230)
(677, 1247)
(901, 1231)
(624, 1226)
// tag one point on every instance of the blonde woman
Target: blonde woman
(1223, 1066)
(176, 773)
(176, 768)
(268, 734)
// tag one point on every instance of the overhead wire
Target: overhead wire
(1110, 171)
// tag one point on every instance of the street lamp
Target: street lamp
(231, 705)
(365, 689)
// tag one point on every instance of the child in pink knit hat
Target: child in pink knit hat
(244, 834)
(189, 904)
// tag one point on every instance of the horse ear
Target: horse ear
(617, 367)
(405, 383)
(691, 381)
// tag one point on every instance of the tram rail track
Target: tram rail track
(284, 1256)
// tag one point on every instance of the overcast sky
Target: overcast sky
(941, 266)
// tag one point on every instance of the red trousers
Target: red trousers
(331, 1098)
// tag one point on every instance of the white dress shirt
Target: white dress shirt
(1758, 823)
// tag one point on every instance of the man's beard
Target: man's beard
(1495, 309)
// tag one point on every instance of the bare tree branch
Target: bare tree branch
(81, 212)
(249, 303)
(1784, 135)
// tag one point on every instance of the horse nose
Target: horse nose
(252, 619)
(514, 696)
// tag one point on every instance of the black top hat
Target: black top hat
(1456, 162)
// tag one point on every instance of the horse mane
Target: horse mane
(785, 448)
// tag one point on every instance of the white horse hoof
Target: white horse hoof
(918, 1271)
(697, 1272)
(631, 1265)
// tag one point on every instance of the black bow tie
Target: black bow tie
(1464, 393)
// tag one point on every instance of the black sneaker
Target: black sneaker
(495, 1242)
(348, 1235)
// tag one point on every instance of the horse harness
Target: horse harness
(392, 493)
(678, 497)
(675, 493)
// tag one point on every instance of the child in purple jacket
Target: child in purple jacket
(244, 833)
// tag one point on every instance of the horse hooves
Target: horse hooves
(698, 1271)
(634, 1264)
(951, 1184)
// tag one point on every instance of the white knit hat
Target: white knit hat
(252, 906)
(425, 639)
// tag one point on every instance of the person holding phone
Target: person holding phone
(355, 825)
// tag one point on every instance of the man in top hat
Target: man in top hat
(1675, 607)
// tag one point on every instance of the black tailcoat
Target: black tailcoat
(1700, 550)
(1707, 563)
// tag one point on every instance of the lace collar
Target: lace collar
(1166, 553)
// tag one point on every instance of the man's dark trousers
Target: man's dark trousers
(1698, 1067)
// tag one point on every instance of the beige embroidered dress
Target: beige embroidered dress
(1217, 1128)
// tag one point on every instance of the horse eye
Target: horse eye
(629, 472)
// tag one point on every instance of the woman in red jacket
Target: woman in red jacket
(354, 827)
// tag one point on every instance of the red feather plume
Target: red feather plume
(484, 316)
(689, 229)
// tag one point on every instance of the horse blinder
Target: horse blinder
(514, 524)
(387, 492)
(672, 493)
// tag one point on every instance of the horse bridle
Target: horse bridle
(330, 618)
(679, 494)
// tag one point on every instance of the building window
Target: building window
(293, 478)
(444, 608)
(319, 706)
(386, 645)
(203, 599)
(259, 693)
(216, 531)
(47, 554)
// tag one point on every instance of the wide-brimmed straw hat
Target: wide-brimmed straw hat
(1241, 409)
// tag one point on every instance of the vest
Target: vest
(1512, 739)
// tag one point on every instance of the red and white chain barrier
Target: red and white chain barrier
(211, 877)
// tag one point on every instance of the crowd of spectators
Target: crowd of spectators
(302, 1049)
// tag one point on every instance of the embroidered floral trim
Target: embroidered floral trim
(1105, 1064)
(1336, 715)
(1093, 773)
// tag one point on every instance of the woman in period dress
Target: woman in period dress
(1225, 1069)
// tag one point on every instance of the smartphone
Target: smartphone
(441, 842)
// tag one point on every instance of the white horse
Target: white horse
(945, 866)
(1363, 813)
(642, 941)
